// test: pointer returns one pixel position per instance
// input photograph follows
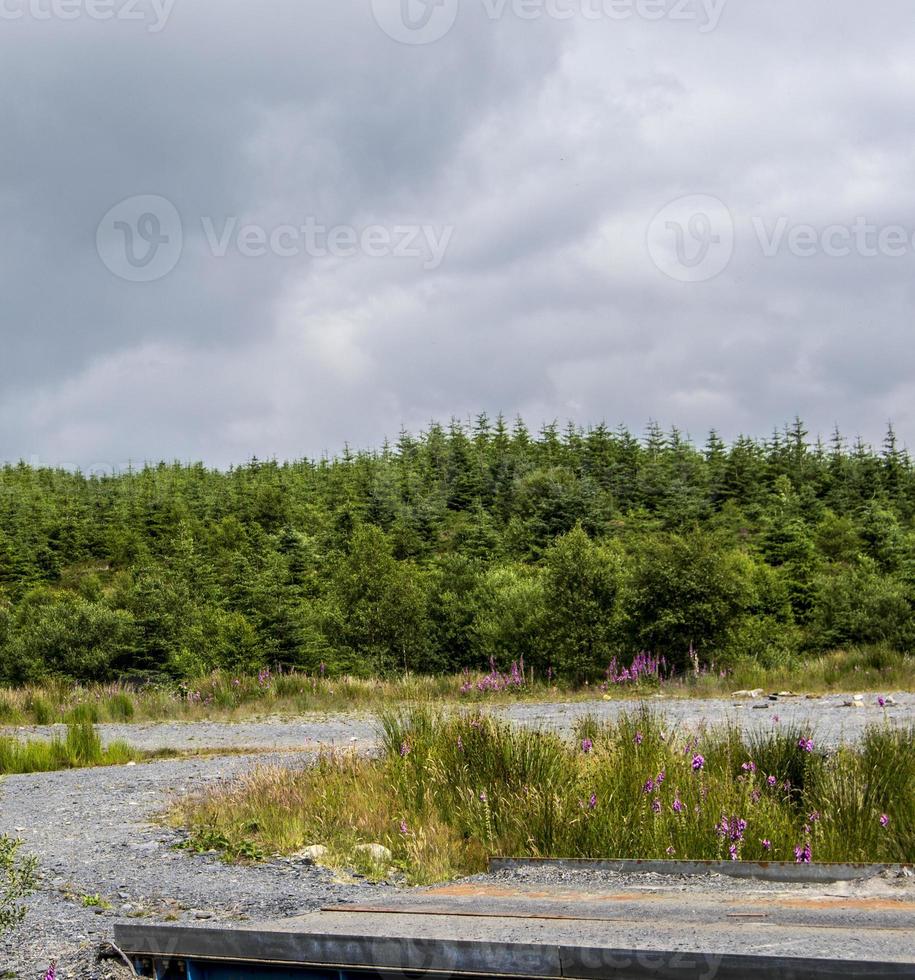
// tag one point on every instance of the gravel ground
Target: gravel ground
(830, 719)
(92, 833)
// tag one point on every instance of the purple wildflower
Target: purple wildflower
(884, 820)
(671, 852)
(483, 797)
(656, 805)
(732, 850)
(586, 745)
(749, 767)
(698, 762)
(766, 844)
(592, 803)
(648, 787)
(806, 744)
(802, 855)
(639, 737)
(404, 749)
(662, 775)
(403, 828)
(814, 816)
(52, 971)
(772, 781)
(882, 702)
(755, 796)
(677, 805)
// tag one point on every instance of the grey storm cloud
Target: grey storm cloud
(518, 214)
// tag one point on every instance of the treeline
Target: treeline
(466, 543)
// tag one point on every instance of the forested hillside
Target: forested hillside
(469, 542)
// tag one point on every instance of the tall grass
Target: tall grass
(81, 748)
(446, 791)
(228, 697)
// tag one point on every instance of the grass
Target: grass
(227, 697)
(447, 791)
(80, 749)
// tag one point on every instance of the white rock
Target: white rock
(755, 693)
(377, 852)
(314, 852)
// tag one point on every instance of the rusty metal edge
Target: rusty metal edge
(758, 870)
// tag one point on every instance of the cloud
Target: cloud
(548, 145)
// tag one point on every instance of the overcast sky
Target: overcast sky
(235, 228)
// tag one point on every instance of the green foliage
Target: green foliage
(17, 881)
(582, 582)
(687, 593)
(465, 543)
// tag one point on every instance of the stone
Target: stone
(755, 693)
(377, 852)
(314, 852)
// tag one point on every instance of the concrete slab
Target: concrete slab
(481, 930)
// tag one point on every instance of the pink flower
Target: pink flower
(403, 828)
(698, 762)
(586, 745)
(806, 744)
(766, 843)
(884, 820)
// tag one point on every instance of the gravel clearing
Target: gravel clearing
(91, 832)
(831, 721)
(93, 835)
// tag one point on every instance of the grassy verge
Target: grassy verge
(447, 791)
(226, 697)
(80, 749)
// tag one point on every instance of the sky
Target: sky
(236, 229)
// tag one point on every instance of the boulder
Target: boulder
(314, 852)
(377, 852)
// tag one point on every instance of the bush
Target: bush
(62, 633)
(858, 605)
